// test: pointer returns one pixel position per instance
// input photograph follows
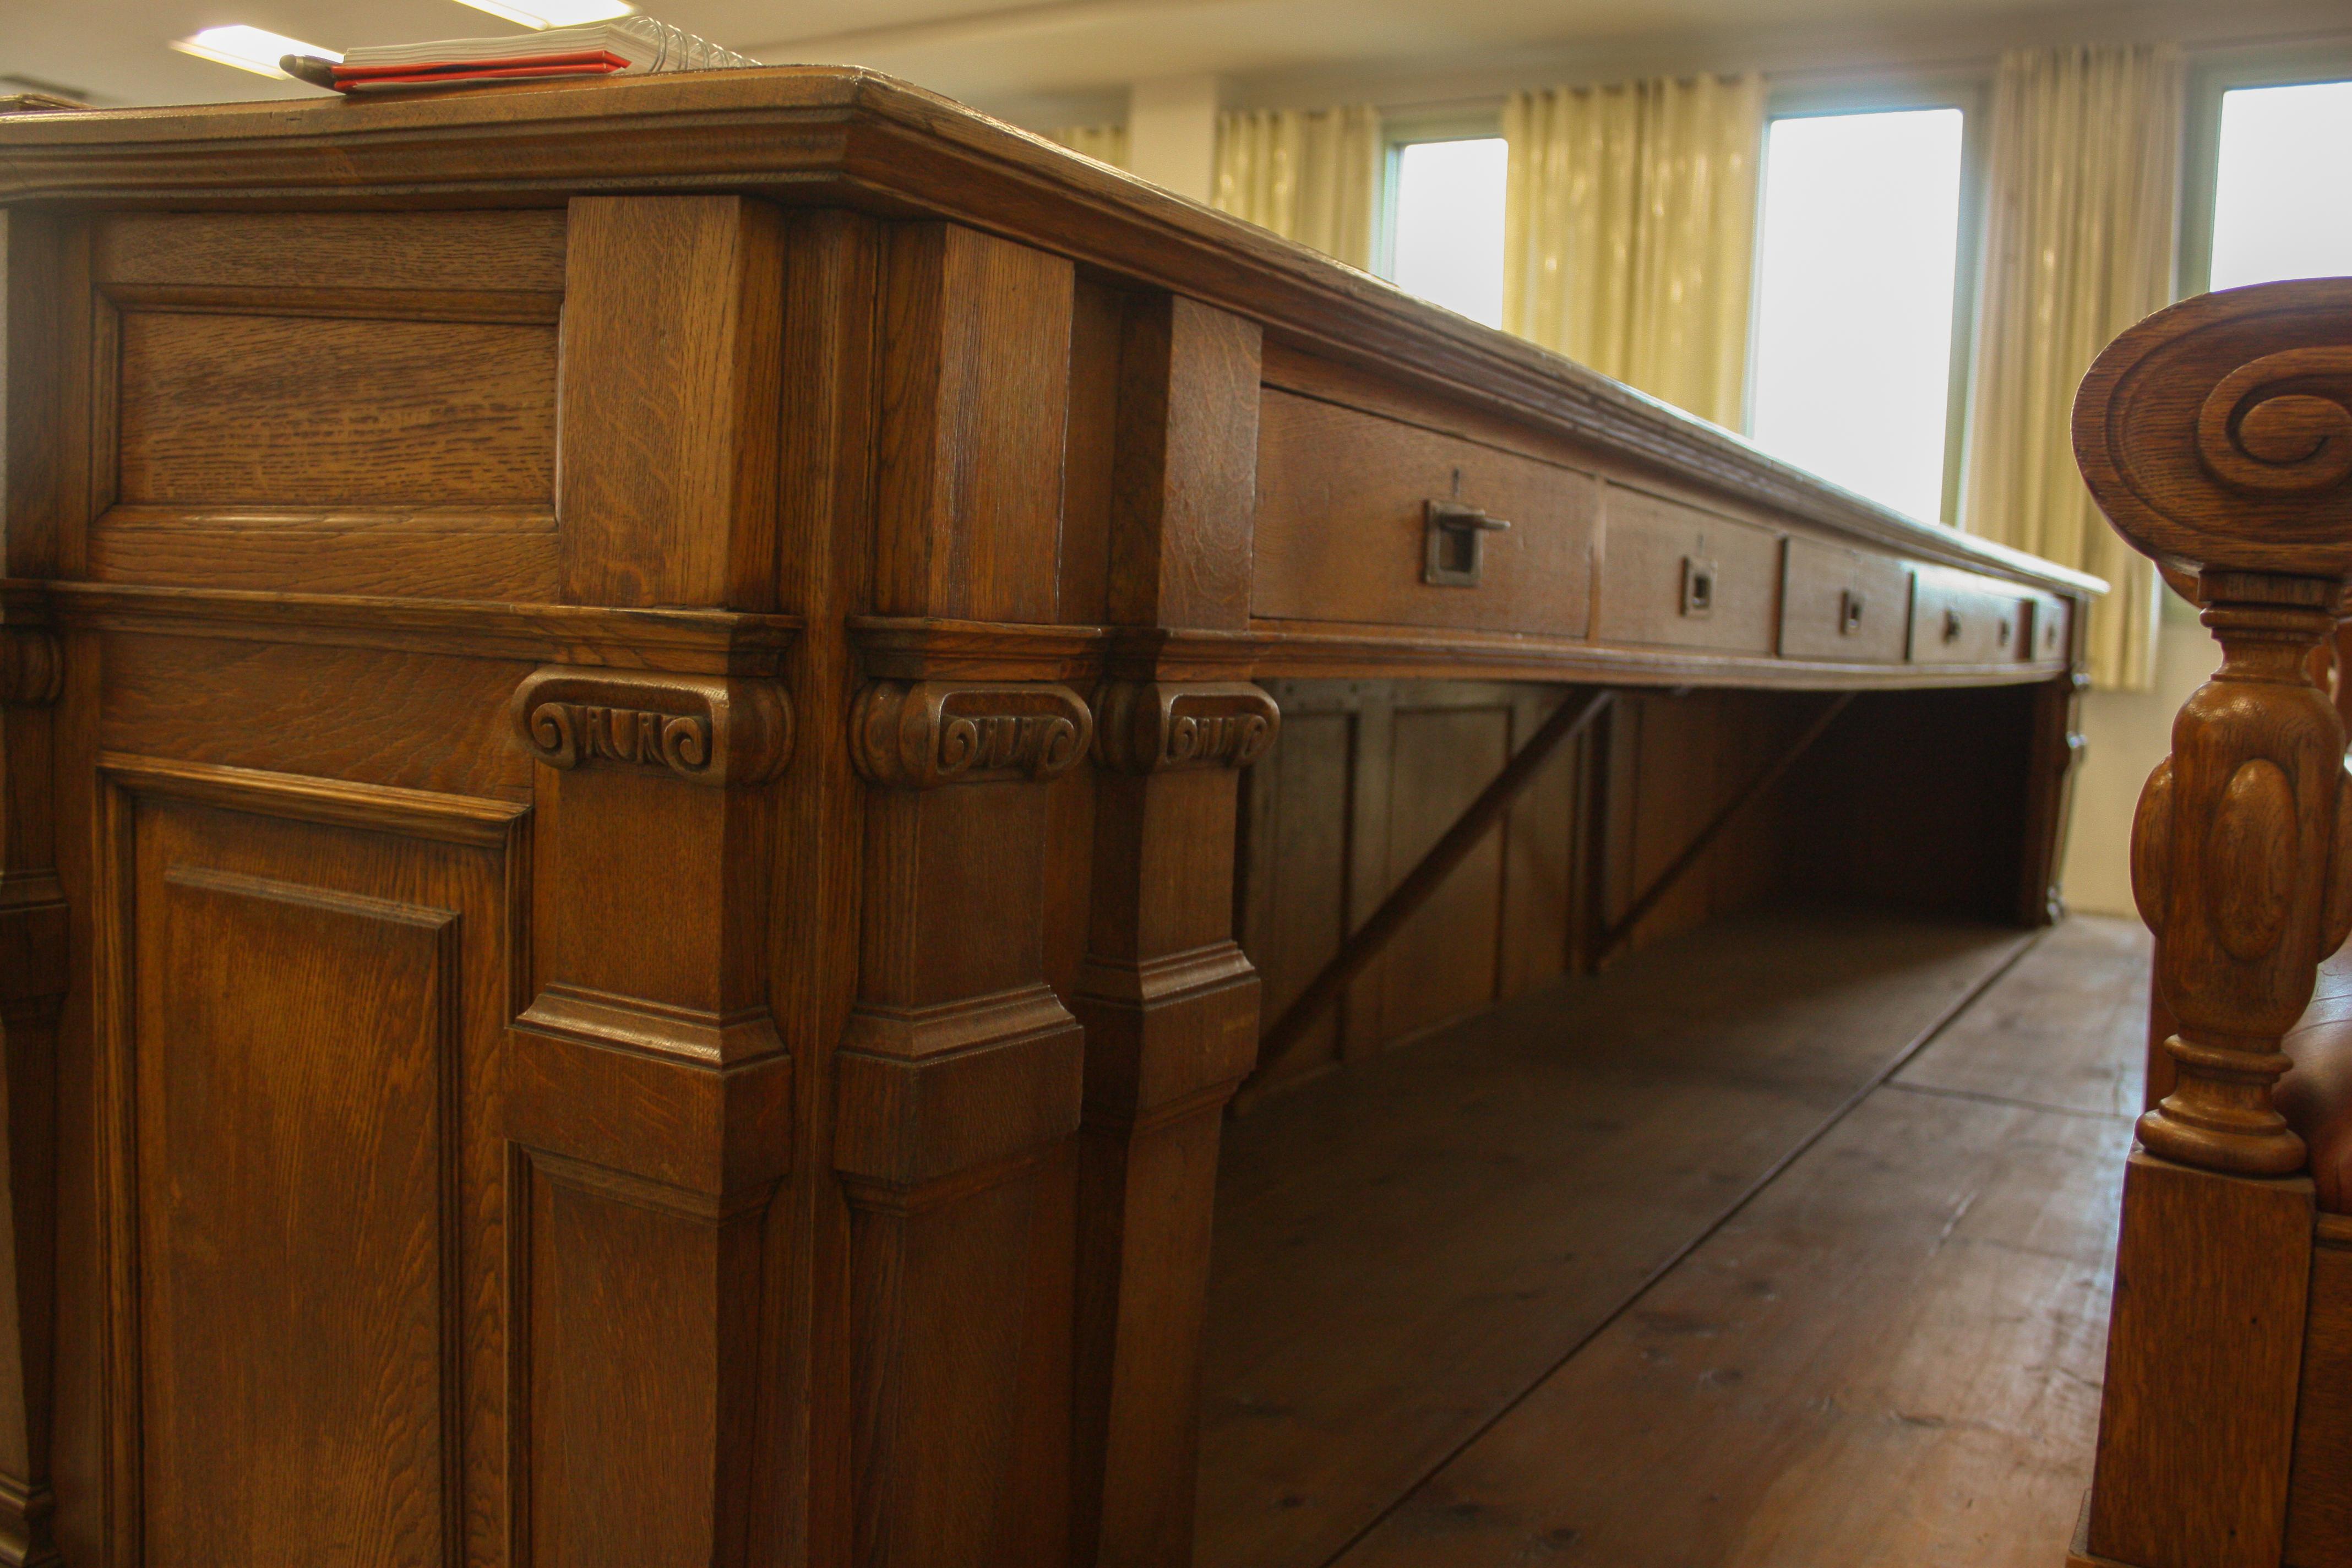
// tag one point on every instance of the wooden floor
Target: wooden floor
(1661, 1268)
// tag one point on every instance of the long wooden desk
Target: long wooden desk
(622, 715)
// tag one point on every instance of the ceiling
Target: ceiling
(1030, 59)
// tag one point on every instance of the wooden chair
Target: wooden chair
(2217, 436)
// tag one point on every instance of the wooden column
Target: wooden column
(1169, 1001)
(956, 1086)
(33, 936)
(2217, 438)
(648, 1089)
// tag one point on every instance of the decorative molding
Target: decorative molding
(923, 734)
(710, 730)
(942, 1029)
(32, 667)
(715, 642)
(913, 647)
(1148, 727)
(472, 820)
(653, 1028)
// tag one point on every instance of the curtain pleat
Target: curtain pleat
(1103, 143)
(2081, 231)
(1630, 231)
(1310, 175)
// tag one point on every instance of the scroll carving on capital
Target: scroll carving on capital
(1151, 726)
(32, 667)
(926, 733)
(708, 730)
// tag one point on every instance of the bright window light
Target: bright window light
(248, 48)
(2268, 221)
(1449, 223)
(1851, 376)
(554, 12)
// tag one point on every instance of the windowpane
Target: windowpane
(1854, 335)
(1449, 223)
(2270, 219)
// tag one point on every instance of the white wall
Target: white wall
(2125, 734)
(1171, 133)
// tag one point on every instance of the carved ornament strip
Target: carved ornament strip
(711, 729)
(1148, 726)
(925, 733)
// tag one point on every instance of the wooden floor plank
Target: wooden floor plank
(2065, 1028)
(1890, 1356)
(1406, 1248)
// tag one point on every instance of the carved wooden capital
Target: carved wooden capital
(32, 667)
(2218, 434)
(923, 734)
(1146, 727)
(711, 729)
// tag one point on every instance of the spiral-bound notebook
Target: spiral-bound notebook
(629, 47)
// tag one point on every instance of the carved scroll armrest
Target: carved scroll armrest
(2217, 438)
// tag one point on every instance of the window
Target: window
(2269, 221)
(1444, 238)
(1858, 274)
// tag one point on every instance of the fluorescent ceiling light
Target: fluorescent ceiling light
(248, 48)
(553, 12)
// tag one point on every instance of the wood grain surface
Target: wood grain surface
(1889, 1356)
(1406, 1248)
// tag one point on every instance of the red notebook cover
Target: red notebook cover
(581, 62)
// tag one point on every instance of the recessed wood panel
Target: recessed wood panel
(1301, 852)
(288, 411)
(295, 1066)
(457, 252)
(607, 1279)
(1444, 962)
(1342, 524)
(303, 1074)
(1649, 551)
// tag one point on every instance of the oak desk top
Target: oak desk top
(839, 136)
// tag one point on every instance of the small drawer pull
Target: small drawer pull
(1951, 626)
(2005, 629)
(1455, 552)
(1849, 612)
(1698, 588)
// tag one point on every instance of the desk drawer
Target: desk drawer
(1673, 574)
(1959, 619)
(1343, 526)
(2051, 634)
(1843, 605)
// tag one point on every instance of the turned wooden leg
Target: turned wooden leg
(2214, 438)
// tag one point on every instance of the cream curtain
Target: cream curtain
(1310, 175)
(2086, 173)
(1103, 143)
(1630, 230)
